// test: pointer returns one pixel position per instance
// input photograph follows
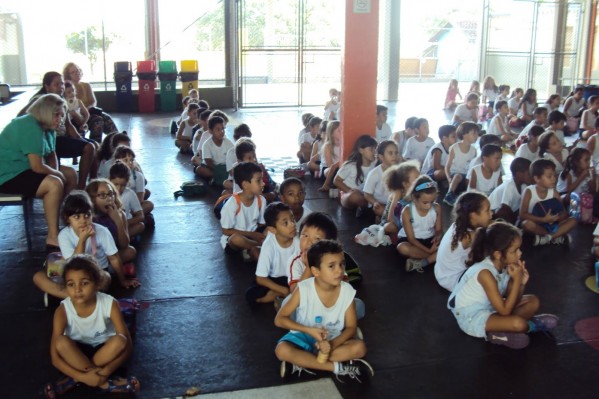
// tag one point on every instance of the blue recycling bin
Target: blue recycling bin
(123, 75)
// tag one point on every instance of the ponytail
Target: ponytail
(497, 237)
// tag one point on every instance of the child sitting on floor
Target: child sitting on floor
(434, 163)
(214, 153)
(243, 213)
(471, 211)
(507, 197)
(308, 139)
(499, 125)
(398, 179)
(417, 147)
(90, 339)
(136, 180)
(488, 301)
(383, 130)
(542, 212)
(552, 149)
(402, 137)
(202, 134)
(557, 121)
(281, 243)
(486, 176)
(458, 160)
(375, 190)
(578, 176)
(529, 149)
(421, 229)
(326, 320)
(330, 153)
(184, 137)
(539, 119)
(293, 193)
(119, 176)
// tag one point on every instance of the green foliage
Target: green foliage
(88, 43)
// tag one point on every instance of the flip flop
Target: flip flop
(132, 385)
(54, 390)
(591, 284)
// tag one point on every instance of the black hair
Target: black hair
(215, 120)
(430, 187)
(381, 108)
(290, 181)
(467, 203)
(539, 111)
(364, 141)
(504, 87)
(242, 130)
(76, 202)
(245, 171)
(306, 118)
(205, 115)
(314, 121)
(544, 142)
(471, 96)
(321, 221)
(498, 236)
(204, 104)
(122, 151)
(538, 167)
(380, 149)
(556, 116)
(109, 144)
(519, 165)
(410, 122)
(465, 128)
(500, 104)
(85, 263)
(572, 161)
(321, 248)
(446, 130)
(489, 150)
(218, 112)
(120, 171)
(272, 211)
(418, 122)
(244, 146)
(535, 131)
(193, 106)
(486, 139)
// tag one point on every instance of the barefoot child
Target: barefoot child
(326, 320)
(90, 340)
(489, 301)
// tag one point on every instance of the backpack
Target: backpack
(294, 171)
(581, 207)
(191, 188)
(542, 208)
(55, 267)
(220, 202)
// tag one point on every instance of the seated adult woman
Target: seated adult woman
(69, 144)
(99, 121)
(28, 163)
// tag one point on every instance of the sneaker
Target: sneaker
(450, 198)
(414, 264)
(511, 340)
(289, 369)
(544, 322)
(541, 240)
(354, 369)
(558, 240)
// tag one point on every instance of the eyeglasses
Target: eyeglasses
(103, 196)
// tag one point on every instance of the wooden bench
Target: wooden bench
(19, 200)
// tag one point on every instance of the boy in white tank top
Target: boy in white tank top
(553, 227)
(458, 161)
(323, 335)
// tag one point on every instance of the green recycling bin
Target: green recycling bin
(167, 73)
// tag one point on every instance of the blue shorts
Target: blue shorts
(301, 340)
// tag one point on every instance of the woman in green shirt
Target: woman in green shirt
(28, 163)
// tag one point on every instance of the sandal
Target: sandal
(53, 391)
(132, 385)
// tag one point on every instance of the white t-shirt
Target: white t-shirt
(589, 117)
(105, 246)
(558, 133)
(374, 185)
(464, 114)
(230, 159)
(295, 268)
(506, 193)
(307, 138)
(137, 182)
(384, 133)
(450, 264)
(348, 173)
(417, 149)
(513, 103)
(524, 133)
(197, 136)
(218, 154)
(558, 166)
(493, 129)
(428, 164)
(484, 185)
(130, 202)
(310, 307)
(247, 219)
(525, 152)
(206, 135)
(461, 161)
(94, 329)
(273, 258)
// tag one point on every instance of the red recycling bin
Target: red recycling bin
(146, 74)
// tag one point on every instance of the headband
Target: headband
(424, 186)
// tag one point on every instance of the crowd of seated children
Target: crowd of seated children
(485, 176)
(417, 146)
(471, 211)
(398, 179)
(307, 139)
(488, 300)
(383, 130)
(458, 160)
(375, 190)
(280, 244)
(402, 136)
(468, 111)
(242, 216)
(507, 197)
(201, 135)
(541, 211)
(351, 176)
(436, 158)
(422, 228)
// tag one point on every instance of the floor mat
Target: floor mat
(323, 388)
(588, 331)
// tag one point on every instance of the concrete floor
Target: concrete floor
(197, 330)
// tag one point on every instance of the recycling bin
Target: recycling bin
(123, 75)
(189, 76)
(146, 74)
(167, 74)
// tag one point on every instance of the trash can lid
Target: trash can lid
(167, 67)
(189, 66)
(122, 66)
(146, 66)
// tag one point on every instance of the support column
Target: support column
(359, 72)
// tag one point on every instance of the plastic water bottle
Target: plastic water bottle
(597, 274)
(321, 357)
